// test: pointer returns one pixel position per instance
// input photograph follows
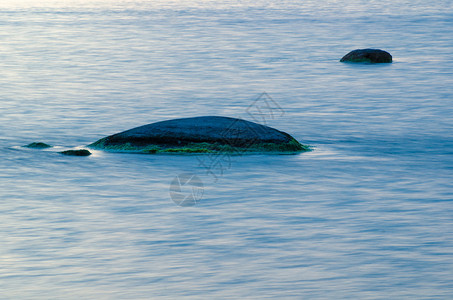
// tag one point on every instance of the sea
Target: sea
(367, 214)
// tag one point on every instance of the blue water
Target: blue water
(367, 215)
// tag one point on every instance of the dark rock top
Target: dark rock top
(81, 152)
(367, 56)
(200, 135)
(38, 145)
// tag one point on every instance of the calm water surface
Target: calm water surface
(367, 215)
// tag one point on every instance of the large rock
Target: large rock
(367, 56)
(201, 135)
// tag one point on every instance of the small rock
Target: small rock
(81, 152)
(367, 56)
(38, 145)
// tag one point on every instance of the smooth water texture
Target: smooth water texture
(367, 215)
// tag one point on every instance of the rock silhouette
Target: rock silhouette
(367, 56)
(207, 134)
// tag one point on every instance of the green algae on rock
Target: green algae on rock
(210, 134)
(80, 152)
(38, 145)
(367, 56)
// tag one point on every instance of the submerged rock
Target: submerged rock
(368, 56)
(81, 152)
(38, 145)
(201, 135)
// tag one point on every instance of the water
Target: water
(366, 215)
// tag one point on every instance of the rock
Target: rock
(81, 152)
(367, 56)
(201, 135)
(38, 145)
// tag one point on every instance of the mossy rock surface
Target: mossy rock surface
(367, 56)
(80, 152)
(38, 145)
(208, 134)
